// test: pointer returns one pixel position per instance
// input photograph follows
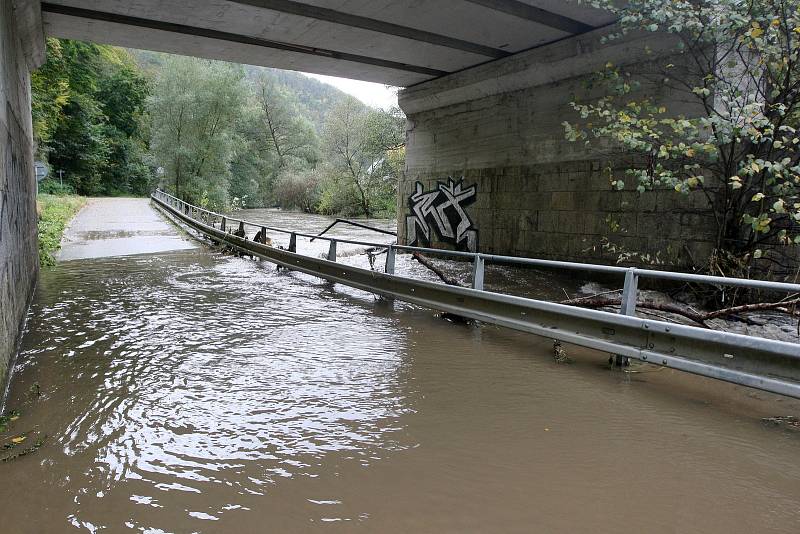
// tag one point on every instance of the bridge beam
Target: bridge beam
(500, 126)
(21, 49)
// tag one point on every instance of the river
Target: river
(194, 391)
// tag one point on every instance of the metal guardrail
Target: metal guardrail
(760, 363)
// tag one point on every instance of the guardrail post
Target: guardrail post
(241, 228)
(627, 306)
(293, 242)
(222, 224)
(332, 251)
(390, 253)
(263, 235)
(477, 273)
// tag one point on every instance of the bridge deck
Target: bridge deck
(119, 227)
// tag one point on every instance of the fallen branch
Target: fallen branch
(438, 272)
(782, 306)
(698, 317)
(669, 308)
(789, 306)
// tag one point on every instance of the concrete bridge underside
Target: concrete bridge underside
(487, 85)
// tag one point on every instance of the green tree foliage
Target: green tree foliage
(279, 141)
(87, 105)
(360, 143)
(314, 98)
(214, 133)
(50, 92)
(735, 66)
(194, 109)
(283, 130)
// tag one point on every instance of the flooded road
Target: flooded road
(191, 391)
(119, 227)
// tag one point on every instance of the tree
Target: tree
(359, 142)
(284, 130)
(87, 105)
(277, 141)
(49, 94)
(736, 64)
(194, 108)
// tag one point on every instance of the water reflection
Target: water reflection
(198, 392)
(183, 370)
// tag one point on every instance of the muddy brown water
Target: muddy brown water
(191, 391)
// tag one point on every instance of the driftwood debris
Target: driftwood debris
(785, 306)
(447, 280)
(560, 353)
(438, 272)
(788, 306)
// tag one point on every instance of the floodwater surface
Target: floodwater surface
(192, 391)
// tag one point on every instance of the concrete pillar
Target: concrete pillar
(22, 49)
(526, 190)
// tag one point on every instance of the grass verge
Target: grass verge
(55, 212)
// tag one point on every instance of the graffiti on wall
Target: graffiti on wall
(443, 210)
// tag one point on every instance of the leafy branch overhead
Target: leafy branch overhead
(717, 115)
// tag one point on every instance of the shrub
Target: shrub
(298, 189)
(55, 212)
(52, 187)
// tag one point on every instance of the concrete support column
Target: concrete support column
(22, 49)
(488, 167)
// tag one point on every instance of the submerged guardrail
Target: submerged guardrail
(765, 364)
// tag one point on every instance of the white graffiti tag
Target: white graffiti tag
(445, 208)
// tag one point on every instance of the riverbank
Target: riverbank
(55, 212)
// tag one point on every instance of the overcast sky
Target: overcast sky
(373, 94)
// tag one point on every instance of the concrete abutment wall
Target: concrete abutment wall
(21, 50)
(500, 127)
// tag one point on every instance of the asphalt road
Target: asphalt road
(108, 227)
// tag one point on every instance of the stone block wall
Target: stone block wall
(21, 48)
(567, 211)
(499, 126)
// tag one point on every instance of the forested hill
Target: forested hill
(314, 98)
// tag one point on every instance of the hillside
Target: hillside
(315, 98)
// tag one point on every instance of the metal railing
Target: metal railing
(751, 361)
